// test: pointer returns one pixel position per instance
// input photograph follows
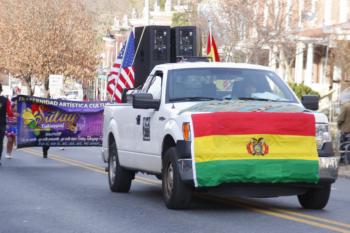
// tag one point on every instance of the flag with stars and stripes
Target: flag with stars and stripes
(122, 75)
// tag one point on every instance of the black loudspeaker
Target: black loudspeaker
(183, 42)
(152, 47)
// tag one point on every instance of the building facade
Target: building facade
(300, 39)
(324, 25)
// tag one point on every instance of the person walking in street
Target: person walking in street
(5, 108)
(45, 151)
(344, 126)
(46, 148)
(11, 130)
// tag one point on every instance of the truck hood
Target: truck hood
(247, 106)
(243, 106)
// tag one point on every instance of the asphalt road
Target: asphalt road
(69, 193)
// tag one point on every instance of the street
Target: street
(68, 192)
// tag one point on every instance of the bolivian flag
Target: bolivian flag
(254, 147)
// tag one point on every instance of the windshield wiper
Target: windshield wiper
(258, 99)
(195, 98)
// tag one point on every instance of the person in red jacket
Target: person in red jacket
(11, 130)
(5, 109)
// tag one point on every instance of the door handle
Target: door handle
(138, 119)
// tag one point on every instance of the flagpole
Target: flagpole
(137, 49)
(211, 39)
(133, 61)
(138, 45)
(120, 67)
(210, 35)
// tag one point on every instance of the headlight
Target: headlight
(322, 135)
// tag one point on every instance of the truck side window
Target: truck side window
(147, 84)
(153, 84)
(150, 80)
(156, 87)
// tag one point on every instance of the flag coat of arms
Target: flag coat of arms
(122, 75)
(254, 147)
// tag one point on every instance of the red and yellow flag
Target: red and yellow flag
(212, 51)
(254, 147)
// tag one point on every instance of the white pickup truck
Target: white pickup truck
(227, 127)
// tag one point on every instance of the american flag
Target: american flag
(122, 73)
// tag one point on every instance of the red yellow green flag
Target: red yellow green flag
(254, 147)
(212, 51)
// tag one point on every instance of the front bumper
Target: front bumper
(328, 164)
(328, 169)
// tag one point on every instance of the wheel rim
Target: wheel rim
(169, 180)
(112, 169)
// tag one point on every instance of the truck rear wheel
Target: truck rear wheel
(176, 194)
(119, 178)
(316, 198)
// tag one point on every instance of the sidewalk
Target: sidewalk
(344, 171)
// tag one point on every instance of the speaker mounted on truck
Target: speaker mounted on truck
(162, 44)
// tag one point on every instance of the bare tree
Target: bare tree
(104, 12)
(248, 30)
(192, 16)
(43, 37)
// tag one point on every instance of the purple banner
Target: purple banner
(54, 122)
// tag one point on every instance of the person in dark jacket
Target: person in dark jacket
(46, 148)
(344, 127)
(45, 151)
(344, 119)
(5, 109)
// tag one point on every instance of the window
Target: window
(153, 85)
(196, 84)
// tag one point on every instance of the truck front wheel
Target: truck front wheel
(176, 194)
(315, 198)
(119, 178)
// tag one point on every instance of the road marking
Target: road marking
(319, 219)
(249, 205)
(84, 165)
(266, 211)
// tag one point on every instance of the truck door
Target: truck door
(152, 122)
(130, 130)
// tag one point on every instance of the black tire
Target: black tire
(176, 194)
(315, 198)
(119, 178)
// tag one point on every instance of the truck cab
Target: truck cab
(155, 132)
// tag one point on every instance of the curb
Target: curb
(344, 176)
(344, 171)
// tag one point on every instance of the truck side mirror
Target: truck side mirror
(128, 94)
(145, 101)
(310, 101)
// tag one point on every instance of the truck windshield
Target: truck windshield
(203, 84)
